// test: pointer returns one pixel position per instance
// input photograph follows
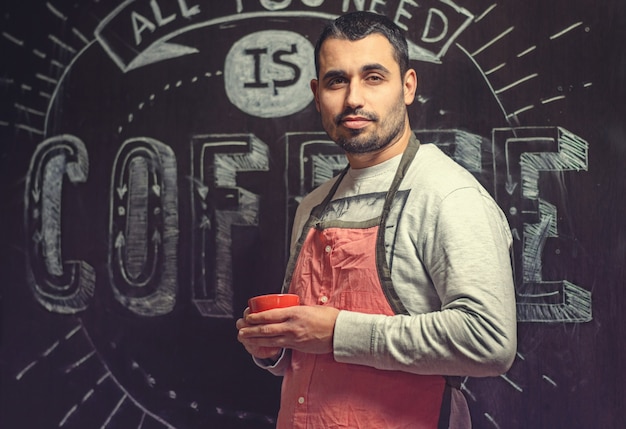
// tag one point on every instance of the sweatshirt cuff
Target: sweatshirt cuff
(276, 367)
(353, 338)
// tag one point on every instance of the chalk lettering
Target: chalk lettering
(141, 23)
(375, 3)
(535, 221)
(255, 90)
(219, 206)
(359, 4)
(60, 285)
(143, 227)
(429, 23)
(256, 54)
(275, 4)
(187, 11)
(313, 3)
(402, 12)
(277, 57)
(158, 16)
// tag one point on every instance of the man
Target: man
(402, 262)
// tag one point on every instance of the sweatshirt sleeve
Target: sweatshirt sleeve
(466, 252)
(276, 367)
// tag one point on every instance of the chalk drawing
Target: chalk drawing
(143, 229)
(528, 151)
(62, 286)
(432, 26)
(219, 204)
(149, 24)
(485, 53)
(75, 357)
(267, 73)
(462, 146)
(311, 159)
(439, 22)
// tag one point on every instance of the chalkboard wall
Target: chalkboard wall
(154, 151)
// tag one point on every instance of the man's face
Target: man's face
(360, 94)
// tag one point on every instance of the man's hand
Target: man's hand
(308, 329)
(252, 346)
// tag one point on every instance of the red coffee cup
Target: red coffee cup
(273, 300)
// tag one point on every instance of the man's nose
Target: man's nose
(355, 95)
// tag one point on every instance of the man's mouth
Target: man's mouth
(355, 122)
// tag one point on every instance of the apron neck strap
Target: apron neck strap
(405, 161)
(384, 273)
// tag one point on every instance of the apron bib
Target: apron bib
(345, 267)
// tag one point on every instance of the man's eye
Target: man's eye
(374, 78)
(336, 81)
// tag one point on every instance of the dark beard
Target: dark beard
(365, 144)
(392, 128)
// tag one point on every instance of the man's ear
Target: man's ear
(314, 88)
(410, 86)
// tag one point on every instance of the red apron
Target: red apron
(345, 268)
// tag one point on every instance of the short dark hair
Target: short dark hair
(357, 25)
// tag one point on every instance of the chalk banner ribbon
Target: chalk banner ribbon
(137, 33)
